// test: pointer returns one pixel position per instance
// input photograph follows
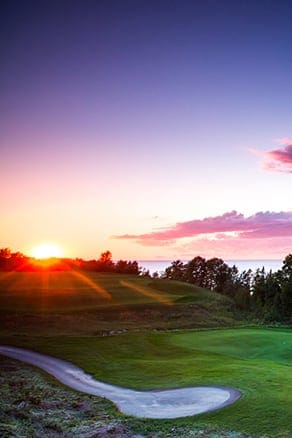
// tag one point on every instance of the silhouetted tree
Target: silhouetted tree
(195, 271)
(218, 273)
(127, 267)
(258, 290)
(11, 261)
(145, 273)
(105, 263)
(175, 271)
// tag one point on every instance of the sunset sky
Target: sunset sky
(153, 129)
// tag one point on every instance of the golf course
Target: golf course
(146, 221)
(143, 335)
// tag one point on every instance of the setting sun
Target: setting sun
(46, 250)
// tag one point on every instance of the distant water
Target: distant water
(242, 265)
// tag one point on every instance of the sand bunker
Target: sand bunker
(169, 403)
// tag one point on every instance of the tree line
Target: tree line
(264, 295)
(16, 261)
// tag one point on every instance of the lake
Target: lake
(242, 265)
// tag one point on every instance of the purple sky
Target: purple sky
(143, 119)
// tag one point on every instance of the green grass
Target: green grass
(76, 302)
(255, 361)
(75, 290)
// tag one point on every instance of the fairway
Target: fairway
(254, 361)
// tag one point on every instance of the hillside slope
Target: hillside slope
(93, 304)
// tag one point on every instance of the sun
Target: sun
(46, 251)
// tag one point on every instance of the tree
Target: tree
(5, 253)
(287, 267)
(273, 302)
(272, 293)
(285, 279)
(286, 300)
(175, 271)
(218, 273)
(105, 263)
(195, 271)
(258, 290)
(127, 267)
(10, 261)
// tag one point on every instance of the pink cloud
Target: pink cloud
(278, 160)
(261, 225)
(284, 141)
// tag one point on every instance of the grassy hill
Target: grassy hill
(75, 302)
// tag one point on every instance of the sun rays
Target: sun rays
(95, 286)
(147, 292)
(43, 290)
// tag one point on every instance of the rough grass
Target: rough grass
(34, 406)
(255, 361)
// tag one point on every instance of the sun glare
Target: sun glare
(46, 251)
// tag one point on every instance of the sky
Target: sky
(154, 129)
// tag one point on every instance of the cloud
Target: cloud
(281, 159)
(229, 226)
(278, 160)
(284, 141)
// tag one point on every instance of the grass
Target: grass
(74, 302)
(256, 361)
(71, 291)
(34, 406)
(65, 313)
